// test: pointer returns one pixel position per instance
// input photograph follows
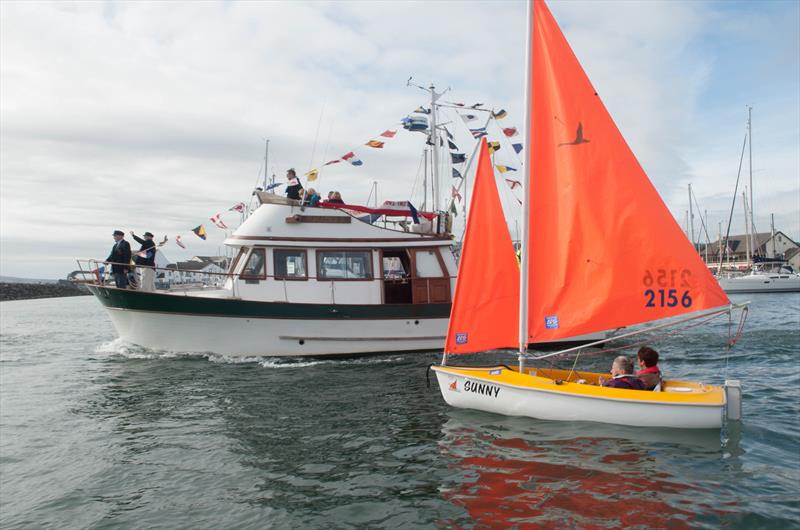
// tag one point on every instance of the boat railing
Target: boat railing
(191, 281)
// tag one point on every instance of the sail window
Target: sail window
(256, 266)
(290, 264)
(344, 265)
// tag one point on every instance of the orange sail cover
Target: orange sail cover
(605, 250)
(485, 308)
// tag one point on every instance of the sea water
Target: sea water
(95, 433)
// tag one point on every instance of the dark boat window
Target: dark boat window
(289, 264)
(255, 268)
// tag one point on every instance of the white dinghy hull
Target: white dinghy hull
(470, 391)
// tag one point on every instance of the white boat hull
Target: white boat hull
(472, 393)
(761, 283)
(250, 337)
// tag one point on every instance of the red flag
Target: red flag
(388, 134)
(455, 194)
(510, 131)
(179, 242)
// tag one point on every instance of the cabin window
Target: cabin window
(256, 266)
(427, 264)
(235, 262)
(290, 264)
(344, 265)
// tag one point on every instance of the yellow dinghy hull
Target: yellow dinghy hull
(551, 394)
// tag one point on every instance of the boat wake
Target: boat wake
(119, 347)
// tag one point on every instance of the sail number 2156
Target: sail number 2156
(667, 288)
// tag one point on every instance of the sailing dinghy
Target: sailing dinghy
(600, 251)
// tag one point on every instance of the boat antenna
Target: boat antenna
(526, 210)
(266, 165)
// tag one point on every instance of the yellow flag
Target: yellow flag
(312, 175)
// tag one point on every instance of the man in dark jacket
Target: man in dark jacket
(622, 372)
(120, 257)
(146, 261)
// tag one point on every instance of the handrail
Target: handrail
(92, 270)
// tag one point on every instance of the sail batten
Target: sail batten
(605, 250)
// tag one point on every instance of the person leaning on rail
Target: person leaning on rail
(120, 259)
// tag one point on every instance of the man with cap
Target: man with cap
(120, 258)
(146, 261)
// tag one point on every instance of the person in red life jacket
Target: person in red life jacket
(622, 372)
(649, 373)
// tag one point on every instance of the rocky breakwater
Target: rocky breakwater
(25, 291)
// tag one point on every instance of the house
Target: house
(781, 247)
(206, 270)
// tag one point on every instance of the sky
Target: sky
(154, 115)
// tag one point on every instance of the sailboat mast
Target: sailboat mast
(425, 181)
(435, 147)
(526, 183)
(691, 216)
(750, 157)
(772, 229)
(746, 227)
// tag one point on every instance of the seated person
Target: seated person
(622, 372)
(335, 197)
(294, 190)
(649, 373)
(312, 197)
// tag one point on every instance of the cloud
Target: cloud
(153, 115)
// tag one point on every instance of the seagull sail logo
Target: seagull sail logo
(579, 139)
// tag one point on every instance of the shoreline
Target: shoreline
(10, 292)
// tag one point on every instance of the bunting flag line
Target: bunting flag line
(312, 175)
(476, 106)
(351, 157)
(217, 220)
(179, 242)
(374, 143)
(332, 162)
(457, 174)
(468, 117)
(453, 209)
(451, 145)
(458, 158)
(200, 231)
(164, 242)
(510, 131)
(455, 195)
(238, 207)
(517, 148)
(503, 169)
(499, 115)
(477, 133)
(273, 186)
(513, 183)
(423, 110)
(493, 147)
(388, 134)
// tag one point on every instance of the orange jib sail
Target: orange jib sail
(485, 308)
(605, 250)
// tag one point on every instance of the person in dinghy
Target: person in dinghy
(622, 375)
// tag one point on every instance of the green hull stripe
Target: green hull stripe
(195, 305)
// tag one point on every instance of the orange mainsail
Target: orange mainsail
(486, 304)
(605, 251)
